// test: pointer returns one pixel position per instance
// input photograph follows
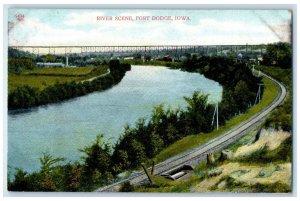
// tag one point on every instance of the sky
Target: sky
(205, 27)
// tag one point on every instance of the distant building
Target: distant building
(260, 58)
(50, 64)
(167, 58)
(128, 58)
(252, 61)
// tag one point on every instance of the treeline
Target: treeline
(240, 87)
(19, 64)
(20, 60)
(103, 161)
(25, 96)
(278, 54)
(282, 116)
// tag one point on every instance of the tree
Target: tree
(47, 162)
(170, 134)
(136, 153)
(21, 182)
(227, 108)
(241, 95)
(130, 144)
(154, 145)
(197, 111)
(47, 175)
(120, 161)
(114, 64)
(19, 64)
(48, 58)
(23, 97)
(278, 54)
(97, 157)
(72, 174)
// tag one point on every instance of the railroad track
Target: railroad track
(198, 154)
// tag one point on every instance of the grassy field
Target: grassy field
(250, 173)
(59, 71)
(41, 78)
(189, 142)
(201, 173)
(282, 116)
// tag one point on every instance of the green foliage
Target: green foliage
(148, 138)
(20, 182)
(199, 112)
(276, 187)
(72, 177)
(235, 186)
(26, 96)
(175, 65)
(120, 160)
(281, 154)
(114, 64)
(19, 64)
(78, 71)
(278, 54)
(241, 95)
(42, 77)
(47, 163)
(97, 157)
(240, 86)
(282, 116)
(14, 53)
(191, 141)
(136, 153)
(127, 187)
(23, 97)
(155, 144)
(48, 58)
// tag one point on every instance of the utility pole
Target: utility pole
(216, 113)
(147, 173)
(258, 93)
(217, 117)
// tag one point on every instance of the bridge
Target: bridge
(246, 50)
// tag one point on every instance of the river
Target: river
(62, 129)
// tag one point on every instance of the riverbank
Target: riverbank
(174, 65)
(247, 168)
(192, 141)
(96, 77)
(79, 120)
(41, 78)
(26, 96)
(166, 126)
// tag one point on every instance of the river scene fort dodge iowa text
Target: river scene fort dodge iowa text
(149, 100)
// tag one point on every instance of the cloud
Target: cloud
(84, 29)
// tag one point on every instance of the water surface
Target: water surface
(61, 129)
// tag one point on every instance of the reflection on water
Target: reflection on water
(61, 129)
(22, 111)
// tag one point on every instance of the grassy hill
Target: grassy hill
(42, 77)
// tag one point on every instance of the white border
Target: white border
(243, 4)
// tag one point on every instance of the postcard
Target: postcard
(184, 100)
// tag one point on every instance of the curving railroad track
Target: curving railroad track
(198, 154)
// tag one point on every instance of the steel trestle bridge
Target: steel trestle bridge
(207, 50)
